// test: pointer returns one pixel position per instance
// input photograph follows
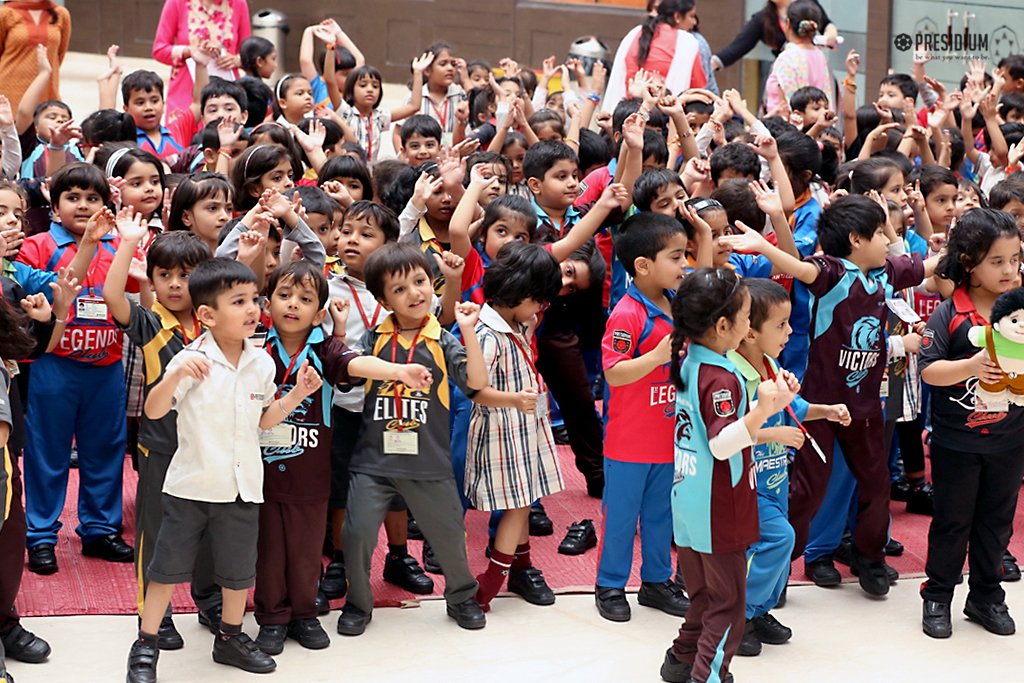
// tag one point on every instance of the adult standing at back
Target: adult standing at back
(23, 25)
(220, 24)
(765, 26)
(663, 45)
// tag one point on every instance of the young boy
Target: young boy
(898, 93)
(143, 93)
(398, 422)
(214, 483)
(810, 103)
(1008, 196)
(641, 399)
(768, 559)
(47, 118)
(161, 331)
(296, 456)
(849, 285)
(421, 140)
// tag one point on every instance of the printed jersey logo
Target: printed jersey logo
(622, 341)
(724, 405)
(686, 457)
(861, 355)
(928, 338)
(975, 419)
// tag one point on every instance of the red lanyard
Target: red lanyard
(792, 414)
(288, 370)
(369, 324)
(528, 356)
(369, 137)
(443, 118)
(196, 330)
(394, 355)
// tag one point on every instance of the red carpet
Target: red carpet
(89, 586)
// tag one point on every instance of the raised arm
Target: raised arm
(403, 111)
(752, 241)
(35, 91)
(462, 218)
(132, 229)
(611, 199)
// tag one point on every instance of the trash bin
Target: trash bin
(589, 49)
(272, 25)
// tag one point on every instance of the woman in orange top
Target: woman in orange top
(23, 25)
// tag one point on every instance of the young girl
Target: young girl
(443, 96)
(293, 99)
(258, 56)
(514, 149)
(140, 181)
(491, 165)
(361, 98)
(274, 133)
(511, 460)
(260, 168)
(800, 64)
(202, 204)
(968, 196)
(976, 480)
(346, 179)
(714, 474)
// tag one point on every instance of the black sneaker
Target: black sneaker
(823, 572)
(844, 552)
(42, 559)
(612, 604)
(768, 630)
(920, 500)
(430, 562)
(994, 616)
(580, 538)
(25, 646)
(323, 605)
(899, 490)
(540, 523)
(674, 671)
(873, 578)
(1011, 572)
(935, 620)
(270, 639)
(468, 614)
(167, 637)
(334, 584)
(890, 574)
(241, 651)
(665, 596)
(406, 572)
(142, 660)
(893, 548)
(111, 548)
(352, 621)
(530, 585)
(750, 646)
(413, 531)
(211, 619)
(309, 634)
(561, 435)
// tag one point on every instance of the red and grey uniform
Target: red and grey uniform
(76, 392)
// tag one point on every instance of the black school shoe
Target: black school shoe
(540, 523)
(270, 639)
(430, 562)
(142, 660)
(530, 585)
(768, 630)
(994, 616)
(25, 646)
(309, 634)
(413, 531)
(468, 615)
(42, 560)
(893, 548)
(613, 606)
(890, 574)
(323, 605)
(920, 500)
(665, 596)
(935, 620)
(873, 578)
(1011, 572)
(352, 621)
(674, 671)
(823, 572)
(580, 538)
(334, 585)
(406, 573)
(210, 618)
(241, 652)
(167, 636)
(111, 548)
(750, 646)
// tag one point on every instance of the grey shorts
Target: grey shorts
(233, 529)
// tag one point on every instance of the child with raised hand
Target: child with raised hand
(397, 422)
(768, 561)
(511, 459)
(201, 205)
(443, 96)
(975, 479)
(138, 177)
(161, 331)
(715, 428)
(640, 398)
(260, 168)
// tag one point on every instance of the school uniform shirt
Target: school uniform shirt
(423, 413)
(956, 424)
(367, 129)
(364, 314)
(95, 341)
(167, 149)
(847, 353)
(445, 113)
(771, 460)
(804, 222)
(425, 240)
(32, 280)
(218, 457)
(33, 165)
(714, 502)
(301, 472)
(473, 277)
(751, 265)
(160, 336)
(646, 406)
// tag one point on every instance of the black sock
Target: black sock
(398, 550)
(916, 482)
(229, 630)
(147, 637)
(339, 556)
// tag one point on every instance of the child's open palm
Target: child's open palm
(6, 113)
(64, 133)
(308, 380)
(275, 203)
(250, 246)
(415, 376)
(131, 226)
(228, 131)
(633, 131)
(422, 62)
(314, 139)
(65, 290)
(748, 240)
(100, 224)
(768, 201)
(426, 186)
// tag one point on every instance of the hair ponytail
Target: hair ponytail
(667, 11)
(704, 296)
(804, 18)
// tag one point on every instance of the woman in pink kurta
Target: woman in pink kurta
(23, 25)
(223, 24)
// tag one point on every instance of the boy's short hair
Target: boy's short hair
(392, 259)
(1013, 132)
(805, 96)
(522, 271)
(218, 87)
(738, 157)
(209, 138)
(650, 182)
(176, 250)
(644, 234)
(43, 106)
(345, 166)
(543, 156)
(853, 214)
(931, 177)
(905, 82)
(213, 277)
(699, 108)
(764, 296)
(78, 175)
(1013, 66)
(740, 203)
(314, 200)
(1011, 101)
(143, 81)
(257, 94)
(385, 218)
(1009, 189)
(594, 150)
(422, 125)
(302, 271)
(655, 147)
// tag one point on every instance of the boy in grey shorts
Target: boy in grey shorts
(223, 390)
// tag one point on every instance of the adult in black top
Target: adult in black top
(763, 26)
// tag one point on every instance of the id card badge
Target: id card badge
(401, 443)
(542, 406)
(903, 311)
(90, 308)
(447, 139)
(281, 436)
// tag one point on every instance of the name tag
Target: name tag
(90, 308)
(281, 436)
(903, 311)
(401, 443)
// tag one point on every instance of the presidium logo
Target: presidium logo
(960, 42)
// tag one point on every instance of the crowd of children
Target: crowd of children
(297, 340)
